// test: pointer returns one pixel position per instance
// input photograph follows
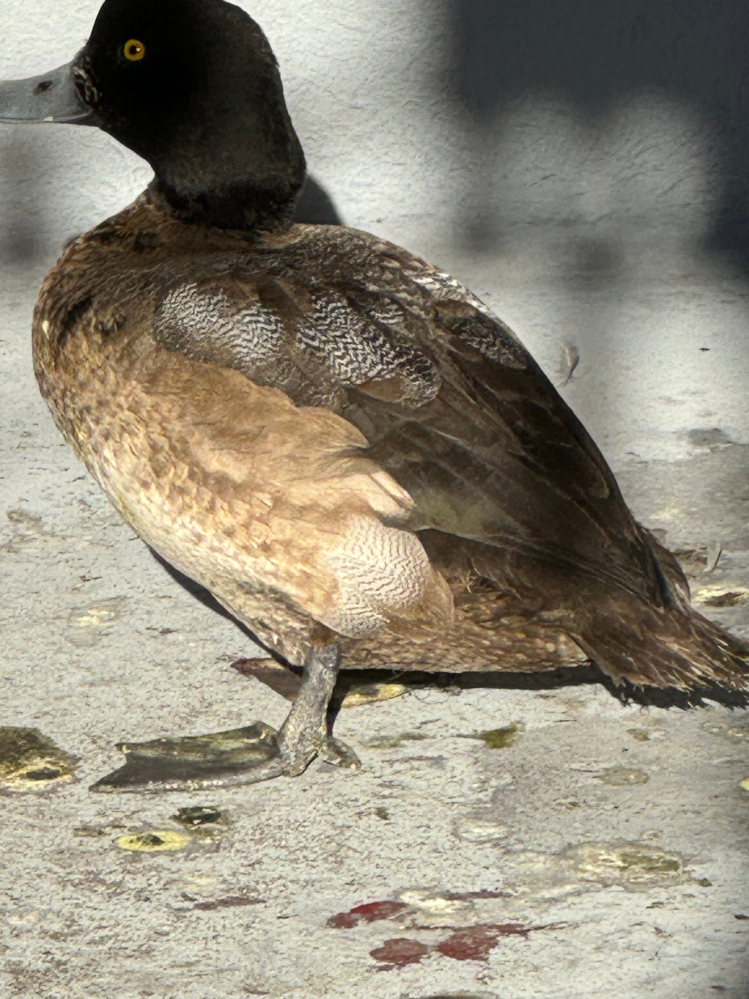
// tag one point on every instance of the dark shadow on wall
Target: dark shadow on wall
(23, 190)
(595, 53)
(315, 206)
(24, 187)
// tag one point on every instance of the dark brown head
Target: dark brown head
(193, 87)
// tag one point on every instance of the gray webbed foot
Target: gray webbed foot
(241, 756)
(182, 763)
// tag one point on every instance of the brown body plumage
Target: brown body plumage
(299, 420)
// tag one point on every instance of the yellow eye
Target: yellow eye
(134, 50)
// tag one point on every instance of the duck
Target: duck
(340, 442)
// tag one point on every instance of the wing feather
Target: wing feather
(506, 483)
(451, 403)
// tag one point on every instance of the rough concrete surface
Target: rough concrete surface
(585, 846)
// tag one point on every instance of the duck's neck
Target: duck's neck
(242, 204)
(240, 171)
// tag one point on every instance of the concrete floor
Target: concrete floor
(593, 847)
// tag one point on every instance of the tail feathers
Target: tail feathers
(663, 647)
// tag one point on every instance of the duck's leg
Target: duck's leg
(303, 736)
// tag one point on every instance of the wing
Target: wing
(451, 404)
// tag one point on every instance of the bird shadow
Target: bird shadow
(315, 206)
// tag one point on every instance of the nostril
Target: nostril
(43, 86)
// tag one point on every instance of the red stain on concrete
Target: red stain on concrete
(399, 952)
(372, 912)
(475, 943)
